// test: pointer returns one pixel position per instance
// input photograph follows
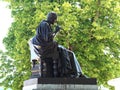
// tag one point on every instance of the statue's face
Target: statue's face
(55, 21)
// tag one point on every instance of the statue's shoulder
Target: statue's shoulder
(44, 23)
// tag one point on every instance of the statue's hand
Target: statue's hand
(57, 29)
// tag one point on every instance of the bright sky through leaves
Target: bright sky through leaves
(5, 21)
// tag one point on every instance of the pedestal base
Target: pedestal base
(60, 84)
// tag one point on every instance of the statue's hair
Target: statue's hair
(51, 16)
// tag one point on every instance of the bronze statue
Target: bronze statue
(50, 59)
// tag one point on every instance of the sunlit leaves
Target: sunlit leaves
(66, 7)
(90, 27)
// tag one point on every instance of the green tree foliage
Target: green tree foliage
(91, 30)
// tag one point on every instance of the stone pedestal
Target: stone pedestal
(60, 84)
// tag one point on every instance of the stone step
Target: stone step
(60, 84)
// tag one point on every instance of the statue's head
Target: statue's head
(52, 17)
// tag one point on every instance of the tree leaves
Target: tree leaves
(91, 30)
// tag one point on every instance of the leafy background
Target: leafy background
(91, 30)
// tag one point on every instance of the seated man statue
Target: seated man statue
(53, 60)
